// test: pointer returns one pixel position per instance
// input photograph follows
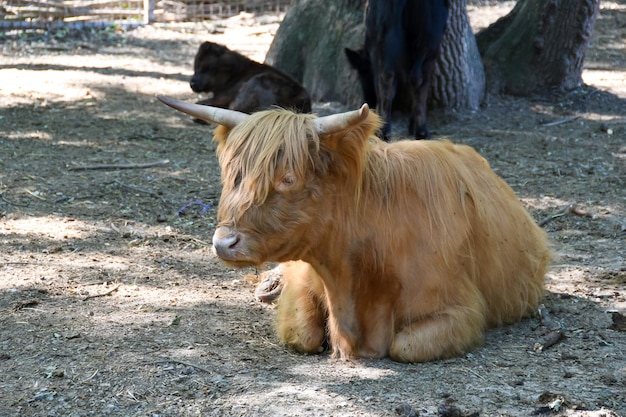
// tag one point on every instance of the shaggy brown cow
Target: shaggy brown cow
(408, 250)
(239, 83)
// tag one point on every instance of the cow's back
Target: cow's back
(453, 213)
(511, 251)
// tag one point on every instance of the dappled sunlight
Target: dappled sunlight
(113, 302)
(79, 254)
(298, 397)
(42, 81)
(80, 143)
(612, 5)
(363, 370)
(50, 227)
(544, 202)
(241, 32)
(68, 84)
(481, 16)
(37, 87)
(582, 282)
(611, 81)
(63, 228)
(315, 386)
(21, 135)
(549, 114)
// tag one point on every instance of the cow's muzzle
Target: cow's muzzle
(195, 85)
(229, 245)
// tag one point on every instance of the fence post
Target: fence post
(148, 11)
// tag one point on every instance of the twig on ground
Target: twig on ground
(201, 242)
(25, 304)
(560, 122)
(119, 166)
(85, 284)
(116, 229)
(555, 330)
(111, 291)
(205, 207)
(138, 189)
(570, 208)
(546, 319)
(171, 360)
(90, 378)
(38, 197)
(476, 374)
(3, 198)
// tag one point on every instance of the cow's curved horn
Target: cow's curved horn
(226, 117)
(336, 122)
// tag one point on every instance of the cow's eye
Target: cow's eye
(286, 183)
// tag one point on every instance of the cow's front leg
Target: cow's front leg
(301, 315)
(449, 332)
(342, 329)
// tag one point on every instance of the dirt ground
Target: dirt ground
(112, 304)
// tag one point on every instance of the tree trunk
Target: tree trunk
(460, 77)
(539, 45)
(309, 45)
(310, 42)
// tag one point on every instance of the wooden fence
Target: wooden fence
(48, 14)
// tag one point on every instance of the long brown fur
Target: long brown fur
(408, 250)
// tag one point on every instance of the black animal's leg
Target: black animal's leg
(360, 61)
(417, 126)
(386, 91)
(420, 84)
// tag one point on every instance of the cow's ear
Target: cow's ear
(353, 58)
(217, 49)
(346, 150)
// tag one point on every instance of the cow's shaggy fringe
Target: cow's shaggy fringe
(257, 153)
(412, 249)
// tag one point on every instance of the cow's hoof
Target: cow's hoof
(270, 287)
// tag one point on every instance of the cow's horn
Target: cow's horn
(336, 122)
(226, 117)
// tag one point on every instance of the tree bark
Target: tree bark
(460, 77)
(539, 45)
(309, 45)
(310, 42)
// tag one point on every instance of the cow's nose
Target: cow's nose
(226, 244)
(193, 83)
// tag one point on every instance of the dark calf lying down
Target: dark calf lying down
(239, 83)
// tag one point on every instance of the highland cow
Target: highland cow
(408, 250)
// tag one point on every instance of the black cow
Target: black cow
(238, 83)
(402, 39)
